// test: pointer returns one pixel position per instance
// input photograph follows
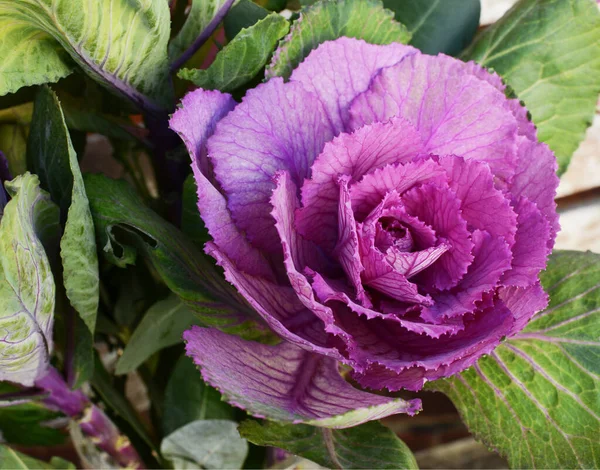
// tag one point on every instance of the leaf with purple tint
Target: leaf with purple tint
(122, 44)
(286, 383)
(370, 445)
(27, 288)
(536, 398)
(203, 18)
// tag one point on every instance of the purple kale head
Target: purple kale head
(388, 209)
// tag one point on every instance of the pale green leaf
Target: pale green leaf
(242, 15)
(201, 14)
(548, 51)
(27, 287)
(209, 444)
(370, 445)
(536, 398)
(161, 327)
(242, 59)
(446, 26)
(52, 156)
(331, 19)
(188, 398)
(120, 43)
(12, 460)
(29, 56)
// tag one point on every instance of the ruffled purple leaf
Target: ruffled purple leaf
(285, 383)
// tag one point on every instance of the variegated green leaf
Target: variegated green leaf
(120, 43)
(29, 56)
(27, 287)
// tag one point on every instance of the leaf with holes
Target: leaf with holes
(370, 445)
(536, 398)
(329, 19)
(242, 59)
(28, 227)
(124, 226)
(121, 43)
(548, 51)
(446, 26)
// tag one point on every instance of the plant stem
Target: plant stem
(92, 420)
(202, 37)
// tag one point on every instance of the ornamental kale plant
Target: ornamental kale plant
(312, 215)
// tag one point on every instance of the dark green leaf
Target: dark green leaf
(122, 44)
(370, 445)
(242, 15)
(328, 20)
(446, 26)
(548, 51)
(536, 398)
(210, 444)
(124, 226)
(162, 326)
(29, 227)
(52, 157)
(188, 398)
(12, 460)
(242, 59)
(191, 222)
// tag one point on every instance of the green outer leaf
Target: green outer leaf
(200, 15)
(27, 287)
(52, 156)
(536, 399)
(242, 59)
(548, 51)
(124, 225)
(446, 26)
(331, 19)
(242, 15)
(370, 445)
(188, 398)
(11, 460)
(211, 444)
(121, 43)
(162, 326)
(29, 56)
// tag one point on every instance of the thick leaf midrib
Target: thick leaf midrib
(69, 45)
(424, 18)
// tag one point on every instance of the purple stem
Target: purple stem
(91, 419)
(203, 37)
